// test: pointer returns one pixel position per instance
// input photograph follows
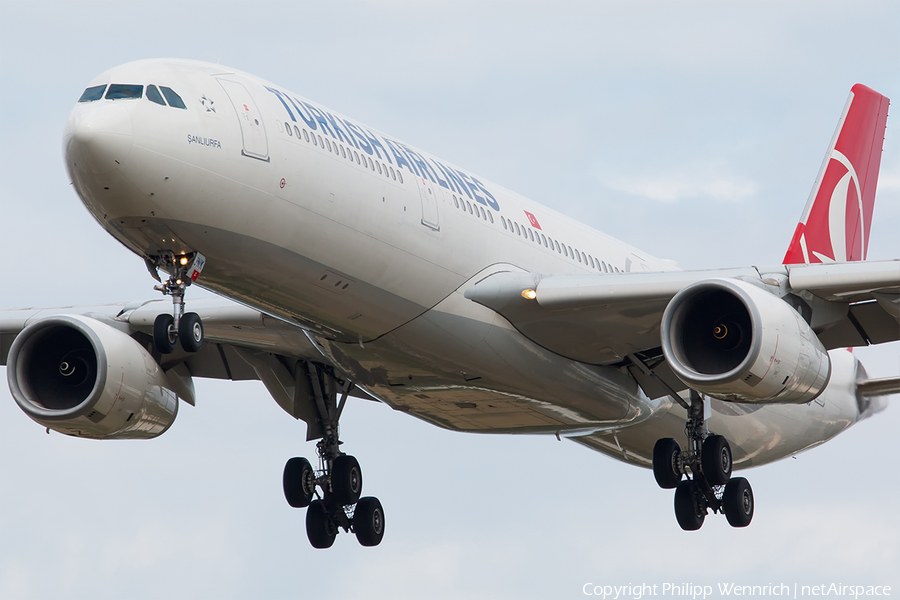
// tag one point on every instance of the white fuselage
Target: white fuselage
(368, 245)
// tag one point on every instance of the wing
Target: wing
(239, 344)
(616, 319)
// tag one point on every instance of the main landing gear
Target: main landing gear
(332, 492)
(168, 330)
(701, 476)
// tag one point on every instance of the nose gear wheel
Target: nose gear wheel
(187, 328)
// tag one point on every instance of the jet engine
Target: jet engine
(737, 342)
(81, 377)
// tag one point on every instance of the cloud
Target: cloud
(692, 182)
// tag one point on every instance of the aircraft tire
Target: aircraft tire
(165, 338)
(298, 482)
(368, 521)
(190, 332)
(666, 454)
(346, 480)
(737, 502)
(320, 529)
(715, 459)
(687, 506)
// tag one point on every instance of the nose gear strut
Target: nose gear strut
(186, 327)
(706, 469)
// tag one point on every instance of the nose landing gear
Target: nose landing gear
(187, 328)
(332, 492)
(701, 476)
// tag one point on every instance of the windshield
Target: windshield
(121, 91)
(92, 93)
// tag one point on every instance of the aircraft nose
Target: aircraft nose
(98, 138)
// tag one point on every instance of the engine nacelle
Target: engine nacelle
(81, 377)
(734, 341)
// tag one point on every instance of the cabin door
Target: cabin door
(252, 131)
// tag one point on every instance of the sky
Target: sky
(692, 130)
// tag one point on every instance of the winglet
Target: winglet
(838, 216)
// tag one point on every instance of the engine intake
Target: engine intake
(83, 378)
(737, 342)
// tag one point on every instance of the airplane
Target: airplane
(347, 263)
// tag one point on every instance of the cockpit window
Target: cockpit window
(92, 93)
(173, 98)
(153, 95)
(120, 91)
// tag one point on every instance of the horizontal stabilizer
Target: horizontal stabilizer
(878, 387)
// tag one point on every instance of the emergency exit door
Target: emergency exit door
(428, 194)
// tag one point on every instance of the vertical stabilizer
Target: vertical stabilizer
(838, 216)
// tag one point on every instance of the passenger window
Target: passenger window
(531, 235)
(305, 135)
(393, 175)
(483, 215)
(172, 98)
(328, 142)
(490, 216)
(355, 153)
(503, 220)
(297, 131)
(93, 93)
(469, 204)
(544, 238)
(344, 154)
(400, 175)
(565, 252)
(153, 95)
(571, 254)
(591, 258)
(517, 228)
(287, 126)
(577, 255)
(371, 164)
(121, 91)
(315, 143)
(455, 201)
(378, 164)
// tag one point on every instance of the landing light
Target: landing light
(184, 260)
(529, 294)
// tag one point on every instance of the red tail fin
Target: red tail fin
(838, 216)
